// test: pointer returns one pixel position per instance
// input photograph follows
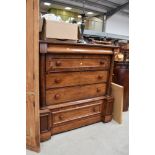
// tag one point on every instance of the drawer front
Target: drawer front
(60, 95)
(76, 64)
(76, 124)
(76, 113)
(55, 80)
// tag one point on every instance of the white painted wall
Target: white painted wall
(118, 24)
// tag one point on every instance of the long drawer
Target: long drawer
(76, 113)
(60, 95)
(77, 116)
(69, 64)
(77, 123)
(64, 117)
(55, 80)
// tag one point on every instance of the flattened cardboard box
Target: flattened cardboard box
(59, 30)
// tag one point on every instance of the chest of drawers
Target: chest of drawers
(74, 86)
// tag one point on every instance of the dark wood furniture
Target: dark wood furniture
(75, 84)
(121, 77)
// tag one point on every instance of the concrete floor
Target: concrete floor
(96, 139)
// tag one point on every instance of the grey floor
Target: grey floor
(96, 139)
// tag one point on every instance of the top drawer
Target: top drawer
(75, 64)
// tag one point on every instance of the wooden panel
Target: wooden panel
(45, 125)
(76, 124)
(74, 113)
(109, 106)
(32, 75)
(55, 80)
(81, 64)
(117, 92)
(29, 47)
(29, 118)
(59, 95)
(44, 121)
(110, 76)
(42, 80)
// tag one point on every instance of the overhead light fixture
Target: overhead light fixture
(46, 3)
(90, 13)
(68, 8)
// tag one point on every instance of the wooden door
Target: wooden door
(32, 75)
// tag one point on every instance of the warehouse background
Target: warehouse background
(108, 16)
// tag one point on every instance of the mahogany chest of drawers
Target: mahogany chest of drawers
(75, 84)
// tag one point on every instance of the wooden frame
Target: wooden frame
(32, 76)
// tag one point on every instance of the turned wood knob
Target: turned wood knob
(102, 62)
(81, 63)
(57, 80)
(57, 96)
(61, 117)
(100, 77)
(58, 63)
(98, 90)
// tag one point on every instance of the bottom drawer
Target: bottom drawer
(76, 124)
(70, 114)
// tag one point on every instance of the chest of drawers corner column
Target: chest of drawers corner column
(75, 84)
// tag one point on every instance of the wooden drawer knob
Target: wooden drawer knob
(98, 90)
(58, 63)
(57, 80)
(57, 96)
(100, 77)
(102, 62)
(60, 117)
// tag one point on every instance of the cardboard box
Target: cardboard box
(59, 30)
